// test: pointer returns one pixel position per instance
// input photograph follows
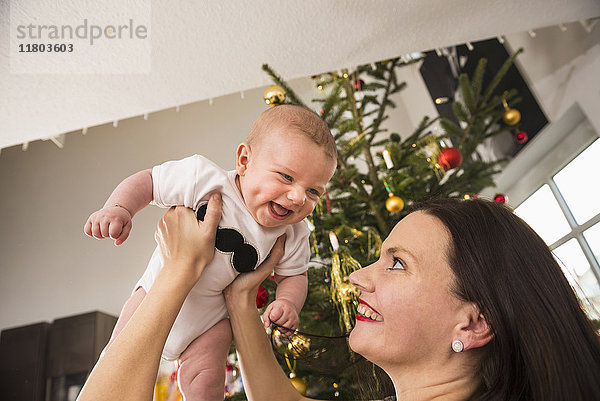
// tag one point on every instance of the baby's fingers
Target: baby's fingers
(124, 234)
(275, 314)
(265, 315)
(104, 228)
(115, 228)
(96, 231)
(87, 228)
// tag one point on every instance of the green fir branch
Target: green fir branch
(499, 75)
(478, 78)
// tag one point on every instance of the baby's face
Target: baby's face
(281, 177)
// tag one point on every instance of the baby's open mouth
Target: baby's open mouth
(278, 210)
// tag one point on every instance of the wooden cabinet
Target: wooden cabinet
(52, 361)
(23, 362)
(74, 345)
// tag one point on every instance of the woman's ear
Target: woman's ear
(242, 158)
(473, 330)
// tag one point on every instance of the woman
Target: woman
(466, 302)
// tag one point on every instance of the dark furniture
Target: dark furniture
(51, 361)
(23, 362)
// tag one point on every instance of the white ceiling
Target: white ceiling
(205, 49)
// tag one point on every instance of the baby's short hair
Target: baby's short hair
(300, 119)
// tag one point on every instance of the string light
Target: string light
(469, 46)
(334, 241)
(388, 159)
(116, 123)
(84, 130)
(531, 33)
(145, 116)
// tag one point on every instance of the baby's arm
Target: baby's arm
(114, 219)
(290, 297)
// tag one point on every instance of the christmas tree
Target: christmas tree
(378, 173)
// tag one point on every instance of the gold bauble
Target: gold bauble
(274, 95)
(299, 383)
(299, 345)
(394, 204)
(511, 116)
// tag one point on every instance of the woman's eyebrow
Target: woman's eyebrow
(396, 249)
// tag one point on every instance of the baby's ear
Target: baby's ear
(242, 157)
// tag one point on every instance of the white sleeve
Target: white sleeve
(184, 182)
(295, 261)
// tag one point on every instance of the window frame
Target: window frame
(548, 153)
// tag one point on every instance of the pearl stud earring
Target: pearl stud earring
(457, 346)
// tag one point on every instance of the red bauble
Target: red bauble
(358, 84)
(449, 158)
(501, 198)
(262, 298)
(520, 137)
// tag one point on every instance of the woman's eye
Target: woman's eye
(286, 177)
(397, 264)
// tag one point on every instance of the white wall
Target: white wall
(562, 68)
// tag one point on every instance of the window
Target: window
(565, 212)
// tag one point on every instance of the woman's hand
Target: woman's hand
(263, 377)
(187, 244)
(128, 369)
(246, 284)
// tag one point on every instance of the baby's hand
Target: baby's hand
(111, 221)
(282, 313)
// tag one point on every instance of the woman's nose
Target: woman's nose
(361, 279)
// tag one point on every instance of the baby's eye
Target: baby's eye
(314, 192)
(397, 264)
(286, 177)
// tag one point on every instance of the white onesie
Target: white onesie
(241, 244)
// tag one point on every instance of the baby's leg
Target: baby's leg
(128, 309)
(202, 364)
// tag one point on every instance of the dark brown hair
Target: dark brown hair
(298, 119)
(544, 345)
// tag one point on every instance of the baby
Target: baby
(280, 173)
